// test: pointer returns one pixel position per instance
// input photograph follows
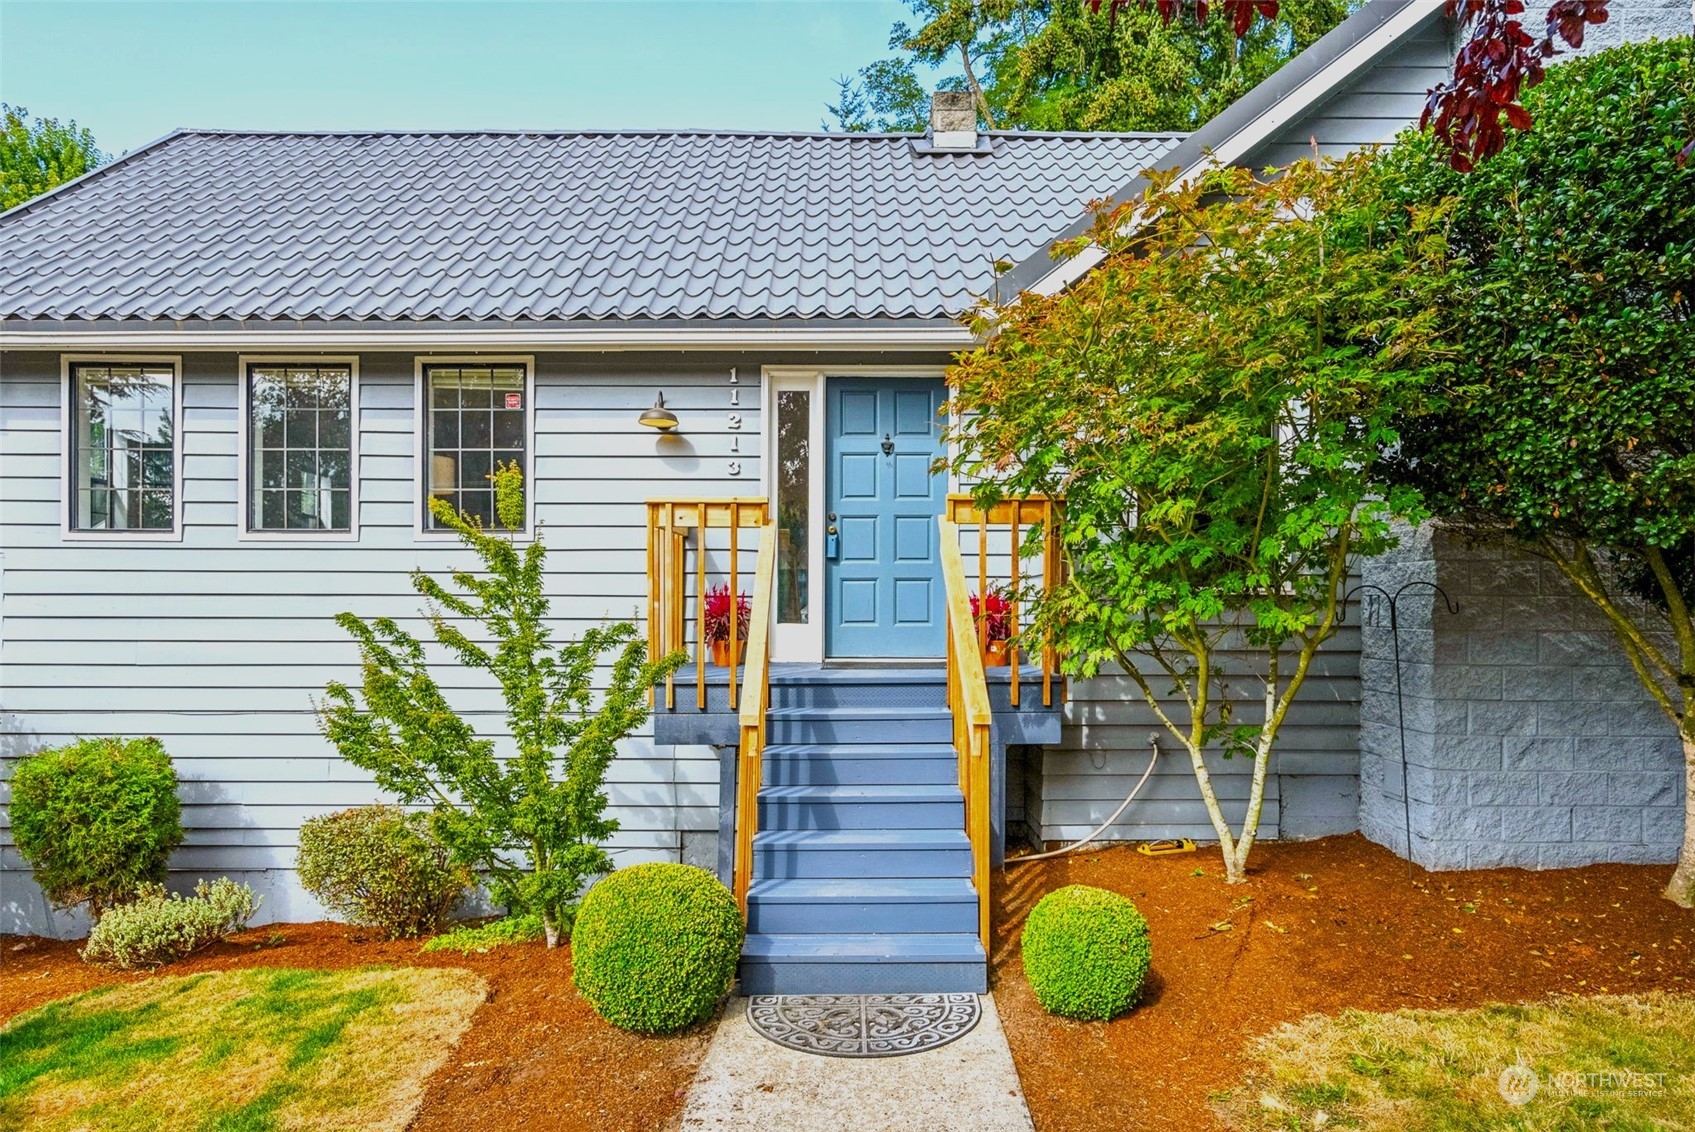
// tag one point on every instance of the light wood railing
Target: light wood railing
(1018, 517)
(677, 529)
(968, 696)
(756, 702)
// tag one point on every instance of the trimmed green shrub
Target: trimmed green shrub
(156, 928)
(466, 939)
(379, 867)
(655, 946)
(1086, 952)
(96, 819)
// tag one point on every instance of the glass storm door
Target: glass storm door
(882, 570)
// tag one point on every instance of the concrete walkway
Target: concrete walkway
(749, 1082)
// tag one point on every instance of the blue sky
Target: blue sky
(133, 71)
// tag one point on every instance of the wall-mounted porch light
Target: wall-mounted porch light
(659, 416)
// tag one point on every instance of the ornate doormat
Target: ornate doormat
(863, 1025)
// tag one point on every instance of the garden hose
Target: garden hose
(1153, 744)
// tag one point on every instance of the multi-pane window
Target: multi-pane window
(123, 447)
(476, 421)
(300, 447)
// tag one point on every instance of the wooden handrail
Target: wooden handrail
(1018, 515)
(756, 701)
(670, 523)
(968, 696)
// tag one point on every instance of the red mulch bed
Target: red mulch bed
(536, 1055)
(1332, 924)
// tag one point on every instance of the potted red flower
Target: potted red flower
(992, 615)
(717, 627)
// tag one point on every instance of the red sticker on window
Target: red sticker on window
(514, 400)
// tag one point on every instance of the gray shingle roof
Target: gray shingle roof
(548, 226)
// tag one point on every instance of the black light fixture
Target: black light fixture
(659, 416)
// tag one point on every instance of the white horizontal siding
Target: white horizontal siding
(1371, 109)
(1105, 748)
(218, 646)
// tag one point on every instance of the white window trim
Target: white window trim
(421, 444)
(804, 644)
(244, 530)
(800, 644)
(67, 441)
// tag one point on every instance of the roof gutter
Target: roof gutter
(561, 338)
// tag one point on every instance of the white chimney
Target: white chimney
(953, 121)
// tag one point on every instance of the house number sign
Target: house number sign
(734, 423)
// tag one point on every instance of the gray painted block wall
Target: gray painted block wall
(1631, 21)
(1529, 740)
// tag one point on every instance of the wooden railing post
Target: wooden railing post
(968, 695)
(756, 702)
(735, 593)
(1017, 515)
(670, 525)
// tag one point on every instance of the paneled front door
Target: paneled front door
(883, 574)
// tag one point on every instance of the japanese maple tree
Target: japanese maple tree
(1210, 402)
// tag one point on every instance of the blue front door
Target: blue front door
(882, 571)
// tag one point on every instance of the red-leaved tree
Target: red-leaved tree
(1500, 60)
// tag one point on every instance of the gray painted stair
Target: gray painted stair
(822, 855)
(861, 868)
(833, 764)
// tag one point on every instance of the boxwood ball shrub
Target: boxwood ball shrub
(96, 819)
(157, 928)
(379, 867)
(655, 946)
(1086, 952)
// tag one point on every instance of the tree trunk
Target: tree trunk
(1681, 890)
(971, 80)
(550, 929)
(1233, 873)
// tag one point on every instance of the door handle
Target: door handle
(832, 543)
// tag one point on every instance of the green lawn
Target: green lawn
(1621, 1063)
(235, 1051)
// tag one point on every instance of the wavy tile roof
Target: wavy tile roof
(548, 226)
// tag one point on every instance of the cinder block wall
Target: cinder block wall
(1529, 740)
(1630, 21)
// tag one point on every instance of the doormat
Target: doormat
(863, 1025)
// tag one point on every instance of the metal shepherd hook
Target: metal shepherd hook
(1393, 600)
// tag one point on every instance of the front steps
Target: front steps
(861, 869)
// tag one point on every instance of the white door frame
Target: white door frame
(804, 644)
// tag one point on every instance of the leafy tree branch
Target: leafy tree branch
(534, 823)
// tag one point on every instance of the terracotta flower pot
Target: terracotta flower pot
(721, 653)
(995, 654)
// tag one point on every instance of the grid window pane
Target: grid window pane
(123, 453)
(478, 420)
(301, 437)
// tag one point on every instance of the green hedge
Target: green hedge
(655, 946)
(1086, 952)
(96, 819)
(378, 866)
